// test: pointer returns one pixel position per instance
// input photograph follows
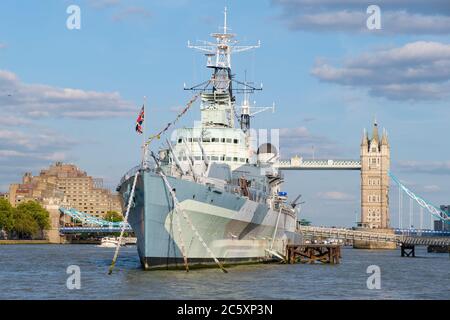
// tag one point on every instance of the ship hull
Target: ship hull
(235, 229)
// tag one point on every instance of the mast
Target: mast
(220, 96)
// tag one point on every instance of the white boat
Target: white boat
(109, 242)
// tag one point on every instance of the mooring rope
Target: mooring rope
(276, 227)
(180, 235)
(178, 207)
(125, 220)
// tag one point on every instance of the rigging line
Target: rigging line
(125, 220)
(174, 210)
(170, 242)
(186, 217)
(276, 227)
(188, 106)
(180, 234)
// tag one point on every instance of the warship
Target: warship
(211, 195)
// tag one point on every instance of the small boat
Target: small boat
(129, 241)
(109, 242)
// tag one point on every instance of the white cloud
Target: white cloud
(335, 195)
(21, 140)
(431, 188)
(430, 167)
(102, 4)
(397, 16)
(38, 100)
(132, 12)
(10, 120)
(416, 71)
(22, 150)
(299, 141)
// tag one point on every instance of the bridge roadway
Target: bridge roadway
(77, 230)
(348, 234)
(297, 163)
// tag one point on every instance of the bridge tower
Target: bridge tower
(375, 162)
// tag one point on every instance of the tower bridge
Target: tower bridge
(374, 165)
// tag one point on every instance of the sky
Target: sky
(73, 95)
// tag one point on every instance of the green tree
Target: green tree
(39, 213)
(113, 216)
(6, 215)
(25, 226)
(304, 222)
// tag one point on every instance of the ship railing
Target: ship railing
(130, 173)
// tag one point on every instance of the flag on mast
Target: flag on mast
(140, 121)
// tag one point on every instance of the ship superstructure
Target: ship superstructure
(228, 190)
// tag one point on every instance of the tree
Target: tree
(6, 215)
(25, 226)
(113, 216)
(304, 222)
(38, 213)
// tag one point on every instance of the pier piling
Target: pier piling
(312, 253)
(408, 250)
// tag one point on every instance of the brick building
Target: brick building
(68, 185)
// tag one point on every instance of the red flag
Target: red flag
(140, 121)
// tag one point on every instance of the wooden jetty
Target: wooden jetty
(312, 253)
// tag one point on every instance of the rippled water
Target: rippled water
(39, 272)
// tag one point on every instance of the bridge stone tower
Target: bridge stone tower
(375, 162)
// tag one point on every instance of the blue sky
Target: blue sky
(73, 95)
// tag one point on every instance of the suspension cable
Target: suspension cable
(436, 212)
(410, 213)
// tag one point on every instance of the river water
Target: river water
(39, 272)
